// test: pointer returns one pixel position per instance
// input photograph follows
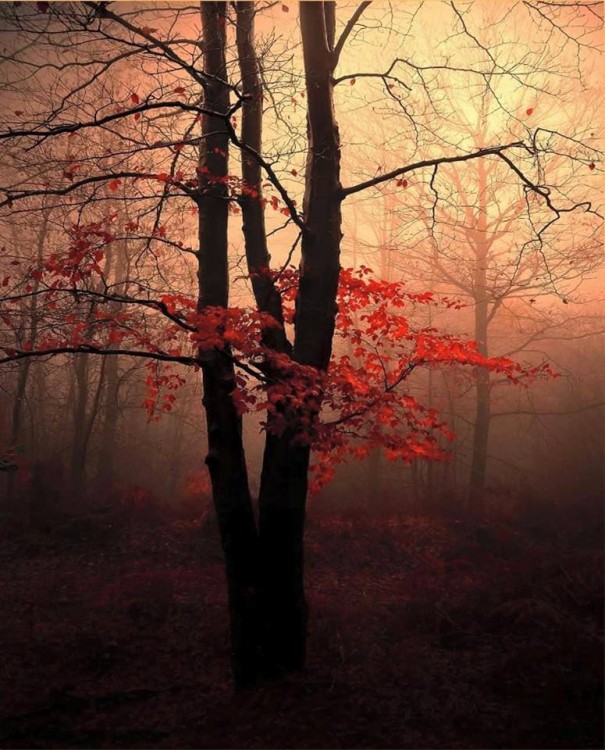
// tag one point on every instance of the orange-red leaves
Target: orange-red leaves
(134, 98)
(114, 184)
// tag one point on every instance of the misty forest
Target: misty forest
(302, 342)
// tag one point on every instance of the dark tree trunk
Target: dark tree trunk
(285, 463)
(267, 297)
(226, 459)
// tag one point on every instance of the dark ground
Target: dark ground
(423, 634)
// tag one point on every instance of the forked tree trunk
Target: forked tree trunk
(283, 489)
(225, 460)
(265, 573)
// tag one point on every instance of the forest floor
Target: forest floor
(424, 633)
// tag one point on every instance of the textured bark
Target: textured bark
(226, 459)
(285, 463)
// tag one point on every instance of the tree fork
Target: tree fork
(284, 478)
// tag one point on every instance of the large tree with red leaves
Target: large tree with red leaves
(121, 159)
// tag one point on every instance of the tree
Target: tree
(477, 233)
(175, 125)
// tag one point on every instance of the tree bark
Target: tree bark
(267, 297)
(225, 459)
(283, 489)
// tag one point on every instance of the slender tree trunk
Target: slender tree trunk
(24, 367)
(283, 489)
(225, 459)
(111, 380)
(109, 429)
(268, 298)
(78, 445)
(482, 415)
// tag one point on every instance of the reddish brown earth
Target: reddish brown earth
(424, 634)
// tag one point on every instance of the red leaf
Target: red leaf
(179, 146)
(294, 173)
(352, 81)
(137, 115)
(134, 98)
(43, 7)
(529, 111)
(591, 166)
(148, 30)
(285, 8)
(18, 112)
(114, 185)
(179, 90)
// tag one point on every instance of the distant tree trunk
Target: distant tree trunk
(16, 428)
(482, 414)
(109, 429)
(78, 444)
(111, 384)
(84, 417)
(226, 460)
(283, 488)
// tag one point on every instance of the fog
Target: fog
(468, 176)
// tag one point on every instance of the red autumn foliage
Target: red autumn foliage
(360, 404)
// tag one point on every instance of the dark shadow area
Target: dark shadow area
(426, 632)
